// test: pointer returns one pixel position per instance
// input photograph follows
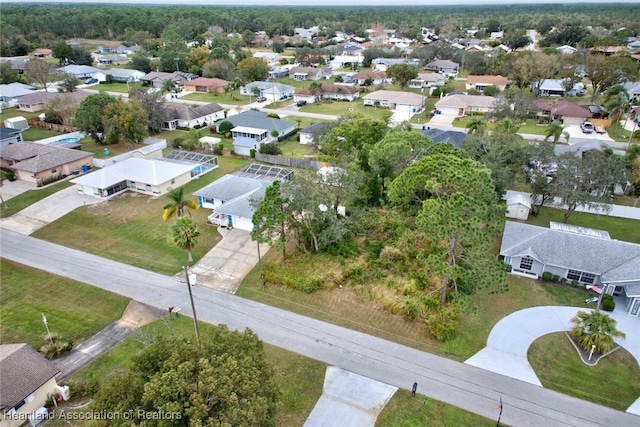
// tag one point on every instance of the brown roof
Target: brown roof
(23, 370)
(569, 109)
(41, 51)
(363, 75)
(34, 158)
(493, 80)
(207, 82)
(45, 97)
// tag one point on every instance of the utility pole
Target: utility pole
(193, 306)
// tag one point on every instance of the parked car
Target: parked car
(600, 129)
(91, 81)
(587, 127)
(301, 103)
(261, 99)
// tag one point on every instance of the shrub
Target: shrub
(547, 277)
(608, 304)
(575, 283)
(233, 152)
(375, 247)
(52, 350)
(270, 148)
(225, 127)
(563, 281)
(252, 153)
(410, 309)
(555, 278)
(213, 129)
(219, 149)
(227, 135)
(48, 180)
(273, 115)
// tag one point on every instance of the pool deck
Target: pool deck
(54, 139)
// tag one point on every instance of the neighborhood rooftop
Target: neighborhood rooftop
(35, 158)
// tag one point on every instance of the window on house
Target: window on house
(526, 263)
(588, 278)
(53, 170)
(30, 398)
(173, 181)
(573, 275)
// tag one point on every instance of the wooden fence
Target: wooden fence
(290, 161)
(35, 122)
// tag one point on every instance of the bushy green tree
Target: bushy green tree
(402, 74)
(128, 120)
(269, 219)
(90, 114)
(253, 69)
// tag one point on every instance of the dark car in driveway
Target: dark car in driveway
(301, 103)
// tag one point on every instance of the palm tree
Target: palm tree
(184, 232)
(507, 125)
(178, 203)
(476, 127)
(616, 101)
(168, 85)
(553, 130)
(595, 329)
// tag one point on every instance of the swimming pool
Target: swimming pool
(69, 139)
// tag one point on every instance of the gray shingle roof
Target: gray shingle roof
(228, 188)
(452, 137)
(322, 127)
(613, 260)
(34, 158)
(186, 112)
(23, 370)
(8, 132)
(258, 120)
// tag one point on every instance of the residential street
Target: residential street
(465, 386)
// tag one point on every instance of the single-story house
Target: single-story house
(184, 115)
(257, 126)
(278, 72)
(566, 49)
(342, 61)
(205, 84)
(586, 255)
(495, 35)
(147, 176)
(41, 53)
(352, 49)
(633, 89)
(10, 93)
(518, 206)
(40, 163)
(395, 100)
(376, 77)
(383, 64)
(460, 105)
(83, 72)
(38, 101)
(566, 112)
(156, 78)
(328, 91)
(123, 75)
(555, 87)
(269, 57)
(10, 136)
(111, 48)
(310, 73)
(309, 134)
(444, 66)
(234, 197)
(114, 58)
(28, 381)
(480, 82)
(439, 136)
(270, 90)
(428, 80)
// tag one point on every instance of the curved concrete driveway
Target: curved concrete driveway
(510, 338)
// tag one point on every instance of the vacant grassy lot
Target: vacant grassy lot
(130, 228)
(299, 378)
(28, 198)
(618, 228)
(74, 310)
(343, 307)
(343, 108)
(406, 411)
(530, 126)
(36, 134)
(614, 381)
(116, 87)
(233, 98)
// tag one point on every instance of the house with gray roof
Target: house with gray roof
(584, 255)
(633, 89)
(41, 163)
(440, 136)
(444, 66)
(38, 100)
(184, 115)
(123, 75)
(258, 126)
(9, 136)
(234, 197)
(270, 90)
(10, 93)
(82, 71)
(28, 379)
(309, 134)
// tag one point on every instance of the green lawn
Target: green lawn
(342, 108)
(36, 134)
(8, 113)
(130, 228)
(28, 198)
(619, 134)
(293, 148)
(530, 126)
(116, 87)
(74, 310)
(233, 98)
(299, 378)
(98, 150)
(406, 411)
(614, 381)
(618, 228)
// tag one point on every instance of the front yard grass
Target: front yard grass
(530, 126)
(74, 310)
(613, 382)
(343, 108)
(233, 98)
(618, 228)
(21, 201)
(115, 87)
(130, 228)
(404, 410)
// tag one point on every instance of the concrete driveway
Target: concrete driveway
(510, 338)
(47, 210)
(441, 120)
(226, 264)
(575, 132)
(11, 189)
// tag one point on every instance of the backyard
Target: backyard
(118, 87)
(233, 98)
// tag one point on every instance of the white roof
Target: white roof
(79, 69)
(146, 171)
(465, 101)
(395, 96)
(247, 129)
(516, 198)
(15, 90)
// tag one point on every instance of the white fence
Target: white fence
(151, 145)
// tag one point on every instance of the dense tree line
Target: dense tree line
(25, 26)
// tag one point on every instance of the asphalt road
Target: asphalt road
(471, 388)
